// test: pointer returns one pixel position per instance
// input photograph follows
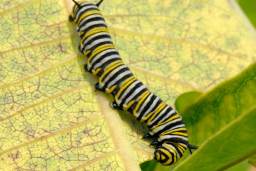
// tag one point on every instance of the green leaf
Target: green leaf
(51, 117)
(185, 100)
(221, 105)
(148, 165)
(232, 144)
(248, 7)
(252, 160)
(207, 120)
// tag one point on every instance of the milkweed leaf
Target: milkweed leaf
(51, 117)
(229, 146)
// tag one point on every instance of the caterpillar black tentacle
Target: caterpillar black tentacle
(98, 4)
(166, 129)
(191, 147)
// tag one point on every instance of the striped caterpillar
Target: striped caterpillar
(166, 128)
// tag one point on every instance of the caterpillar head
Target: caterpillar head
(81, 7)
(169, 153)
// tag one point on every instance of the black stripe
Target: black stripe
(91, 27)
(86, 21)
(167, 157)
(137, 85)
(167, 127)
(104, 66)
(130, 109)
(94, 26)
(115, 75)
(101, 36)
(95, 39)
(138, 94)
(129, 93)
(106, 62)
(154, 108)
(97, 45)
(119, 65)
(169, 117)
(126, 88)
(172, 155)
(177, 149)
(120, 81)
(133, 107)
(177, 140)
(89, 9)
(78, 9)
(135, 97)
(149, 103)
(161, 117)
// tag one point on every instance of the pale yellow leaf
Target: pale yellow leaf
(51, 117)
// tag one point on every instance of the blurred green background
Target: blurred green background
(249, 8)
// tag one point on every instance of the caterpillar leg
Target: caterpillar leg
(192, 147)
(97, 87)
(148, 136)
(114, 105)
(155, 143)
(85, 68)
(70, 18)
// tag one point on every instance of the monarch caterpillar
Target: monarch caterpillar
(166, 127)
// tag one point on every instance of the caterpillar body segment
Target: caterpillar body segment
(166, 128)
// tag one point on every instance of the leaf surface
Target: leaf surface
(252, 160)
(222, 105)
(209, 120)
(219, 154)
(51, 117)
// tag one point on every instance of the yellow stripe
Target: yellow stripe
(168, 120)
(124, 85)
(129, 104)
(158, 110)
(144, 96)
(100, 49)
(110, 68)
(151, 114)
(86, 14)
(95, 72)
(111, 89)
(169, 155)
(180, 149)
(94, 31)
(174, 132)
(183, 145)
(180, 133)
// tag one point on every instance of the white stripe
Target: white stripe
(160, 114)
(151, 107)
(159, 128)
(170, 146)
(120, 76)
(165, 137)
(112, 73)
(94, 59)
(105, 60)
(127, 91)
(86, 20)
(178, 126)
(92, 37)
(169, 114)
(143, 105)
(83, 9)
(134, 94)
(97, 42)
(87, 25)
